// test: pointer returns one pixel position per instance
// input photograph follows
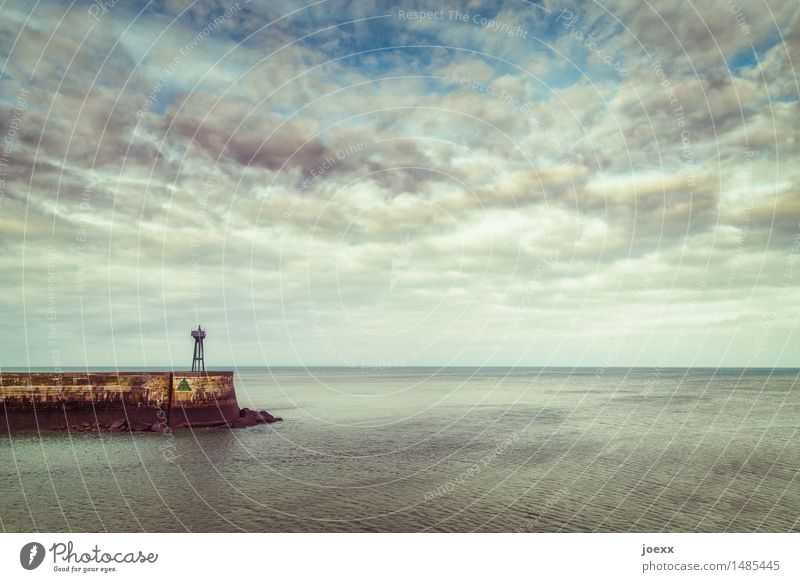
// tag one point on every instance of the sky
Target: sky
(380, 184)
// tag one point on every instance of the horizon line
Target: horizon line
(405, 367)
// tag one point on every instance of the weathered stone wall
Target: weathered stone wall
(48, 401)
(202, 398)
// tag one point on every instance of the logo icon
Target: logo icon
(31, 555)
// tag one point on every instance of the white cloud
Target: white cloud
(530, 203)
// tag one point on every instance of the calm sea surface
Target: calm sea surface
(425, 449)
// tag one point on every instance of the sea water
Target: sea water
(438, 449)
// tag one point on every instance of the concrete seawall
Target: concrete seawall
(56, 401)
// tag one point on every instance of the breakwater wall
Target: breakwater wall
(44, 401)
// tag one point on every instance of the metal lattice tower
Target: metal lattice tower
(198, 364)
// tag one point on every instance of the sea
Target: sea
(438, 450)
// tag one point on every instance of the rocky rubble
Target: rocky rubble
(246, 419)
(249, 417)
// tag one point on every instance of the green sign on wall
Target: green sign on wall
(184, 386)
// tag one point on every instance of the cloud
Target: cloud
(301, 173)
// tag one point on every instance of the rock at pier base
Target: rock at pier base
(137, 425)
(249, 418)
(118, 425)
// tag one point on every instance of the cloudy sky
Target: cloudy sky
(356, 183)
